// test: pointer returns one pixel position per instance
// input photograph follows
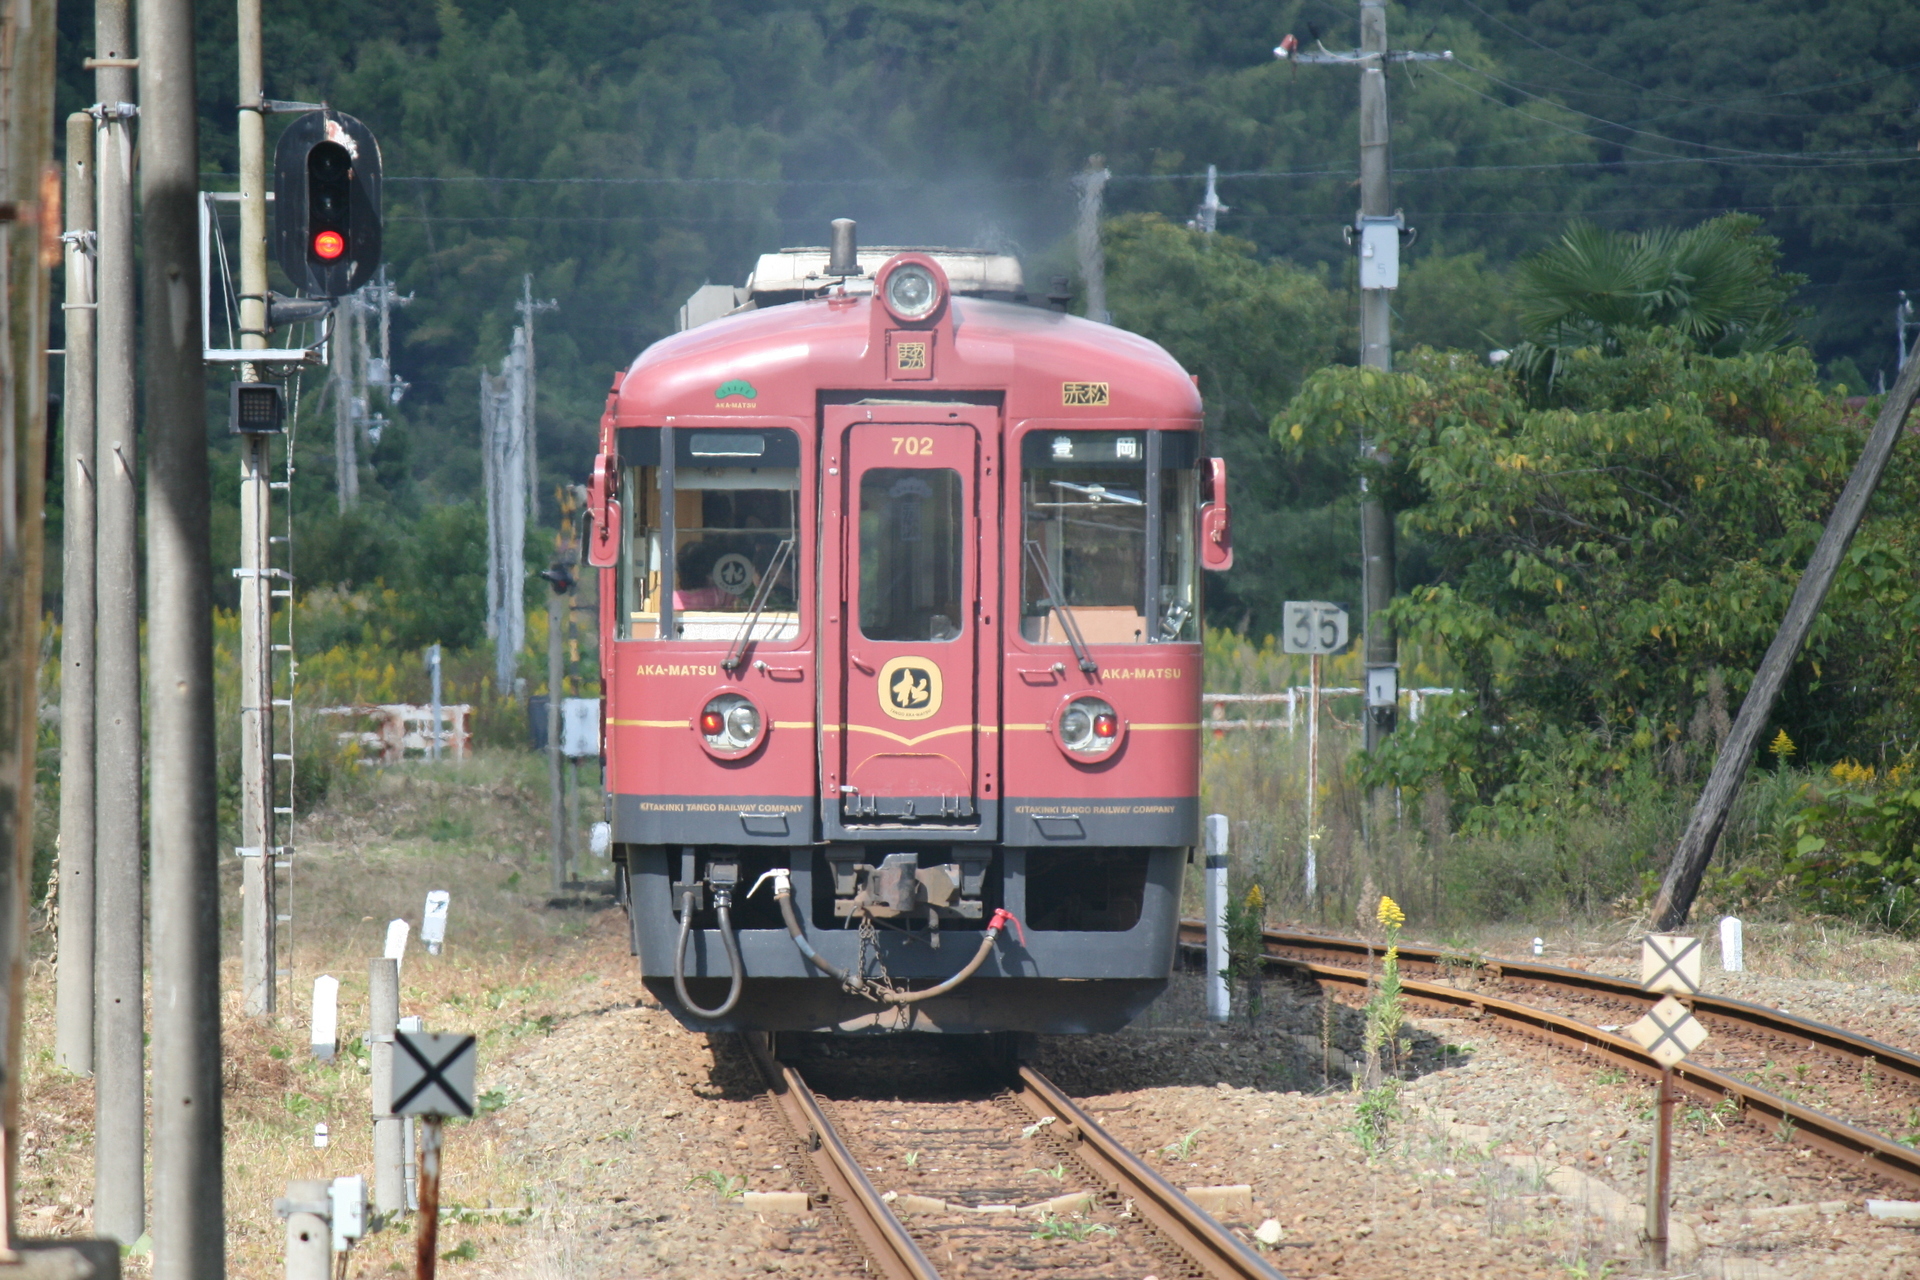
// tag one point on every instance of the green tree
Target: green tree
(1250, 330)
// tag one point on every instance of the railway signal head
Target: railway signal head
(326, 196)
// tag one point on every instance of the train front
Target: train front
(902, 648)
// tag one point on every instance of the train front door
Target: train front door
(908, 709)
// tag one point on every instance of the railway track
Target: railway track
(1120, 1206)
(1456, 984)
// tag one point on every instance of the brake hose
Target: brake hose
(722, 903)
(783, 894)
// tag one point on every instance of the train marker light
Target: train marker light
(731, 726)
(1087, 727)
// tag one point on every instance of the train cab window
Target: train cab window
(910, 554)
(1109, 532)
(710, 534)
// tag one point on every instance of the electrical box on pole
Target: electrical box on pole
(326, 200)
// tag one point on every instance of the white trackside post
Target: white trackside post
(326, 1016)
(1219, 1000)
(1733, 956)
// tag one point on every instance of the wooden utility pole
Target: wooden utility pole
(119, 1080)
(1697, 842)
(1377, 232)
(189, 1220)
(73, 997)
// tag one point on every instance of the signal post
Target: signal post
(257, 908)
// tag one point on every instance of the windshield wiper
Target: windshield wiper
(1099, 491)
(1059, 603)
(738, 649)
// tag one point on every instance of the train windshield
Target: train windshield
(1109, 532)
(911, 523)
(710, 534)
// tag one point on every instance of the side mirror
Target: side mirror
(1216, 527)
(603, 509)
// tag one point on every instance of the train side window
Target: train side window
(911, 554)
(1092, 501)
(722, 534)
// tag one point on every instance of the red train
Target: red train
(902, 647)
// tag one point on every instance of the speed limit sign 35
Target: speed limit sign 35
(1313, 626)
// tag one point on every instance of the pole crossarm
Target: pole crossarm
(1358, 57)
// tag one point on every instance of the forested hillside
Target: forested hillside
(626, 152)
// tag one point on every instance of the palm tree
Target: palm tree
(1715, 284)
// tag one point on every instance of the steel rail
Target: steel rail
(1180, 1222)
(876, 1231)
(1860, 1149)
(1731, 1014)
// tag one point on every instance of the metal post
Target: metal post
(1219, 998)
(1660, 1172)
(120, 1109)
(383, 991)
(556, 625)
(309, 1234)
(258, 983)
(426, 1252)
(1313, 777)
(528, 309)
(433, 673)
(189, 1220)
(73, 999)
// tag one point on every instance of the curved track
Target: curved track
(1185, 1240)
(1332, 962)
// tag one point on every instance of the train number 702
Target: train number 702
(915, 445)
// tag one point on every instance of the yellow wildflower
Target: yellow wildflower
(1390, 913)
(1255, 899)
(1782, 745)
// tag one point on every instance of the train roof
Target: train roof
(780, 360)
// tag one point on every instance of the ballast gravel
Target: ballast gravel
(631, 1137)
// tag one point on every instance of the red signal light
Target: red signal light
(712, 723)
(329, 245)
(1105, 725)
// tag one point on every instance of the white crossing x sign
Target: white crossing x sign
(1669, 962)
(432, 1074)
(1668, 1033)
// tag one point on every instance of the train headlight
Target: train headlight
(913, 287)
(730, 725)
(1088, 728)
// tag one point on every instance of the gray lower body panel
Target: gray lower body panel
(1111, 823)
(722, 820)
(1055, 981)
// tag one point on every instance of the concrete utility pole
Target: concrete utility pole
(73, 997)
(29, 249)
(528, 309)
(119, 1081)
(1207, 217)
(1697, 842)
(383, 995)
(259, 984)
(1092, 183)
(1377, 231)
(503, 437)
(189, 1221)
